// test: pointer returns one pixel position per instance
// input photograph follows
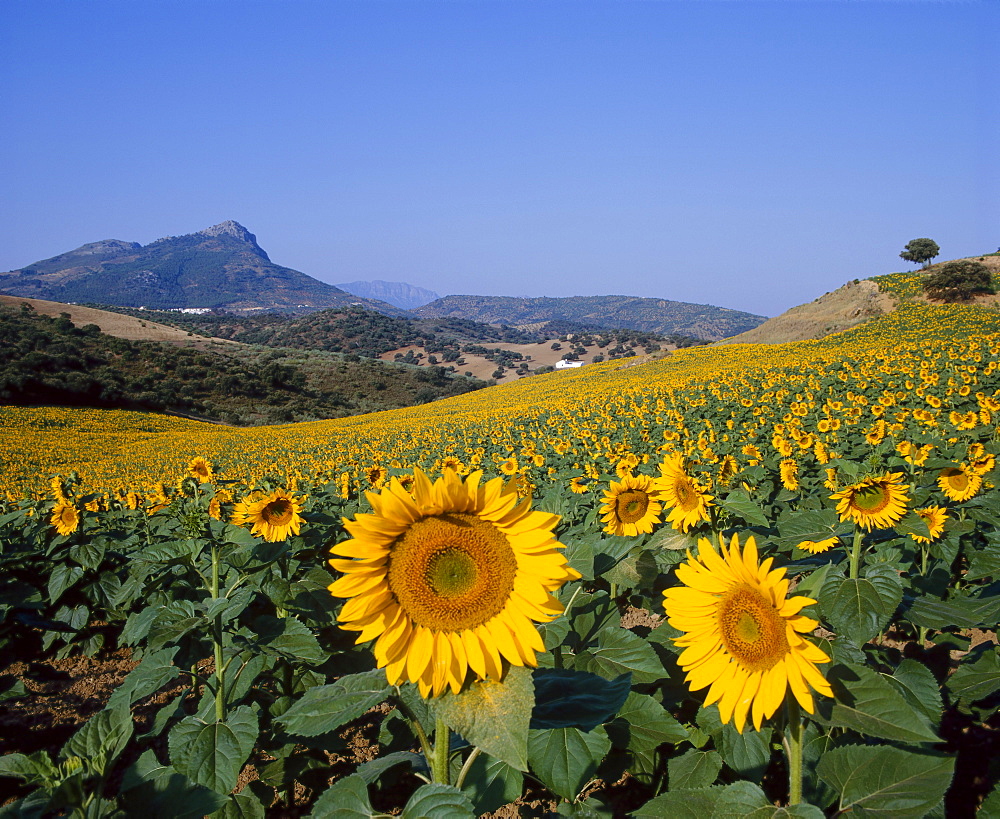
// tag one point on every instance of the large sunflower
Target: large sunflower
(201, 469)
(742, 635)
(631, 506)
(934, 517)
(65, 517)
(274, 517)
(450, 578)
(683, 493)
(874, 502)
(959, 483)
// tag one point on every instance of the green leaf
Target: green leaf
(213, 753)
(668, 539)
(565, 759)
(797, 525)
(976, 680)
(740, 504)
(63, 576)
(157, 791)
(590, 614)
(155, 671)
(347, 798)
(566, 698)
(494, 715)
(916, 683)
(286, 637)
(885, 782)
(242, 805)
(36, 767)
(694, 769)
(747, 753)
(865, 702)
(744, 799)
(643, 725)
(436, 801)
(620, 651)
(692, 803)
(859, 609)
(372, 770)
(960, 612)
(491, 784)
(106, 733)
(984, 563)
(327, 707)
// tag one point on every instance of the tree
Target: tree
(959, 281)
(920, 251)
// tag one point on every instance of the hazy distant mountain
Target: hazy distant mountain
(221, 266)
(403, 295)
(608, 312)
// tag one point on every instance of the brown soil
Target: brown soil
(118, 324)
(834, 312)
(541, 353)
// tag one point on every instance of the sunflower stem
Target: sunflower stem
(220, 669)
(465, 768)
(859, 536)
(793, 750)
(442, 746)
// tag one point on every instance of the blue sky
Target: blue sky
(752, 155)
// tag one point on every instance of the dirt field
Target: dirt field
(117, 324)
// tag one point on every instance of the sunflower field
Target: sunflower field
(736, 580)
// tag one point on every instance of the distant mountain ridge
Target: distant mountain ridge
(401, 294)
(605, 312)
(219, 267)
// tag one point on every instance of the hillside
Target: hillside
(852, 304)
(49, 360)
(219, 267)
(661, 316)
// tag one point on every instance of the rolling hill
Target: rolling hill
(661, 316)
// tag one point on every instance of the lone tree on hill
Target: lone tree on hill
(920, 251)
(959, 281)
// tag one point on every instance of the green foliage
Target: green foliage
(49, 361)
(959, 281)
(920, 251)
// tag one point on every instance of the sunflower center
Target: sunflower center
(871, 499)
(277, 512)
(452, 572)
(958, 480)
(751, 629)
(631, 505)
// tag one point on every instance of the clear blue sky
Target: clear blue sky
(747, 154)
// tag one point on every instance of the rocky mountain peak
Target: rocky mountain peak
(235, 231)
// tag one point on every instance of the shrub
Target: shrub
(959, 281)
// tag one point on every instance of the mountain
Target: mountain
(403, 295)
(219, 267)
(605, 312)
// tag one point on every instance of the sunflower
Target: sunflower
(452, 463)
(201, 469)
(789, 469)
(65, 517)
(631, 506)
(683, 493)
(819, 546)
(742, 634)
(578, 485)
(959, 483)
(934, 517)
(983, 465)
(508, 466)
(376, 476)
(275, 516)
(450, 578)
(874, 502)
